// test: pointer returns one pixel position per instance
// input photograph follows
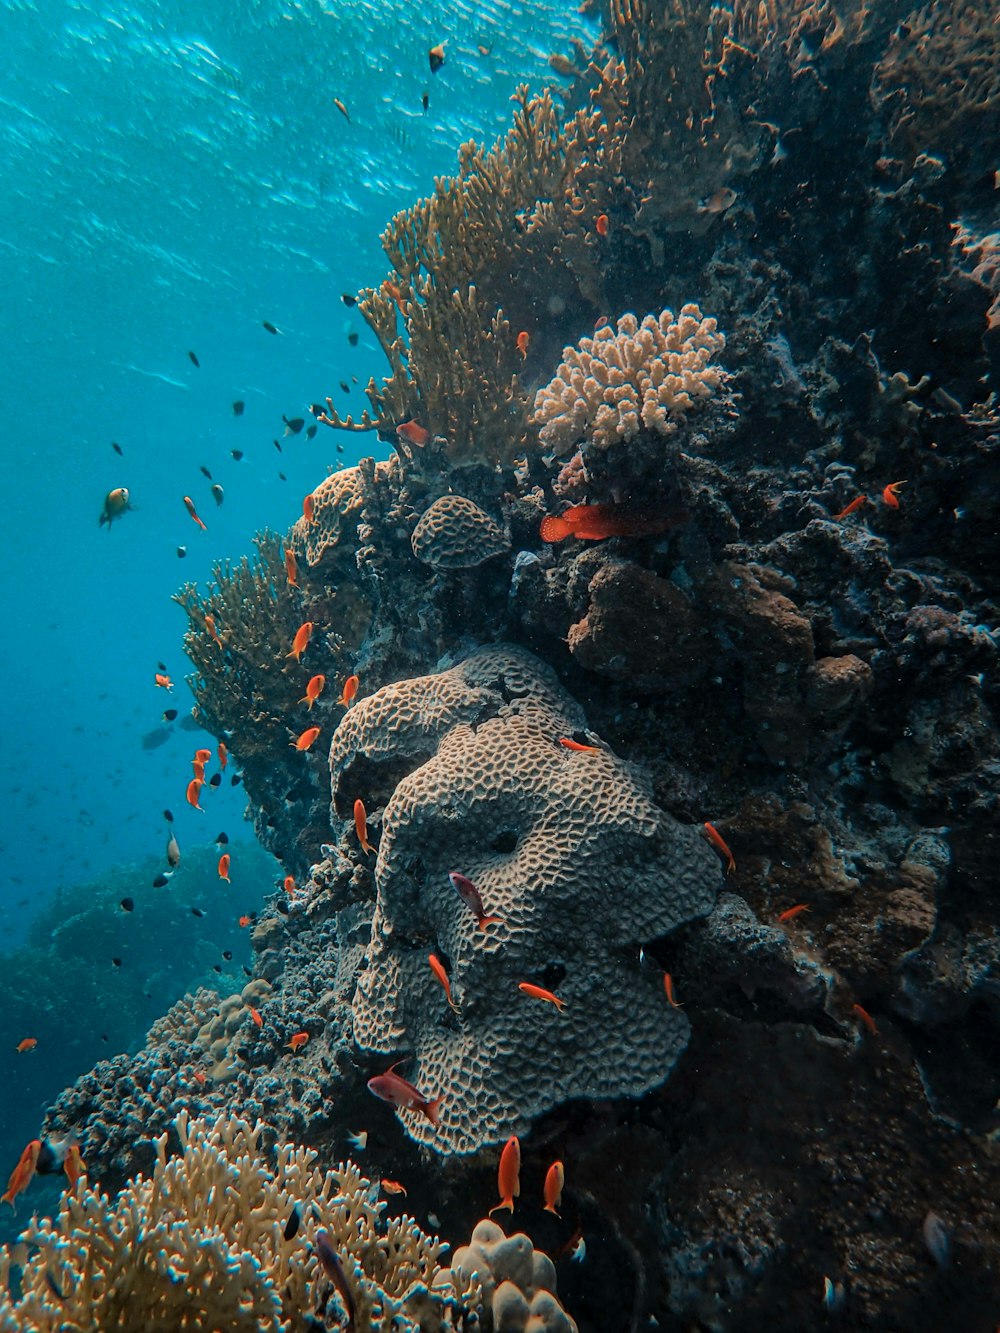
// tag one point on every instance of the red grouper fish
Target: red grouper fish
(592, 523)
(393, 1088)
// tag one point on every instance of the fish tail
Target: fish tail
(560, 1004)
(504, 1203)
(485, 921)
(432, 1108)
(554, 529)
(550, 1208)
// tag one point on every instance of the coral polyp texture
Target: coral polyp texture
(454, 533)
(337, 503)
(648, 375)
(205, 1242)
(518, 1281)
(565, 846)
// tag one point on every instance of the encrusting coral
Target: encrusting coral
(650, 375)
(218, 1238)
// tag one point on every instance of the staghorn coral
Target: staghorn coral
(201, 1243)
(566, 848)
(647, 375)
(454, 533)
(518, 1281)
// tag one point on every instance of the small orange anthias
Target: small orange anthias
(361, 826)
(790, 913)
(509, 1175)
(719, 843)
(393, 1088)
(523, 342)
(890, 495)
(301, 641)
(309, 508)
(555, 1178)
(348, 692)
(224, 867)
(668, 990)
(593, 523)
(307, 739)
(291, 568)
(189, 506)
(413, 433)
(315, 687)
(23, 1173)
(540, 993)
(298, 1040)
(437, 967)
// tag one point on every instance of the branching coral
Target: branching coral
(204, 1242)
(644, 375)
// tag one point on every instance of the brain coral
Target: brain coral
(566, 847)
(454, 533)
(337, 504)
(647, 374)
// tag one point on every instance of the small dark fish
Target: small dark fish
(269, 326)
(219, 495)
(105, 1037)
(247, 970)
(117, 448)
(277, 445)
(316, 409)
(340, 448)
(334, 1270)
(196, 911)
(161, 666)
(293, 1223)
(345, 387)
(216, 967)
(53, 1286)
(436, 57)
(154, 739)
(425, 101)
(170, 714)
(116, 962)
(238, 407)
(222, 840)
(352, 338)
(281, 477)
(168, 816)
(294, 426)
(348, 300)
(342, 109)
(128, 904)
(161, 881)
(236, 779)
(311, 432)
(181, 552)
(194, 359)
(215, 780)
(227, 955)
(205, 472)
(237, 454)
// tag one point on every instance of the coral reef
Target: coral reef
(454, 533)
(518, 1281)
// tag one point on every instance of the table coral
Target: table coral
(566, 848)
(203, 1242)
(647, 375)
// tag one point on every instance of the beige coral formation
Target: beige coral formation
(636, 376)
(983, 252)
(566, 847)
(337, 504)
(201, 1243)
(518, 1281)
(217, 1034)
(454, 533)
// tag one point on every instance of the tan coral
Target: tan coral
(201, 1243)
(518, 1281)
(638, 376)
(337, 504)
(454, 533)
(567, 848)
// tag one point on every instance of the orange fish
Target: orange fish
(855, 505)
(790, 913)
(890, 496)
(28, 1044)
(719, 843)
(413, 433)
(601, 224)
(245, 921)
(472, 898)
(224, 867)
(21, 1176)
(601, 322)
(194, 792)
(361, 826)
(202, 756)
(199, 769)
(668, 990)
(539, 993)
(291, 568)
(301, 641)
(393, 1187)
(223, 756)
(289, 885)
(164, 682)
(394, 290)
(213, 633)
(314, 689)
(437, 967)
(189, 506)
(306, 739)
(348, 692)
(570, 744)
(298, 1040)
(555, 1178)
(74, 1165)
(309, 508)
(256, 1015)
(866, 1018)
(593, 523)
(393, 1088)
(200, 1077)
(509, 1175)
(523, 343)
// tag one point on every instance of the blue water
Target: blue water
(167, 183)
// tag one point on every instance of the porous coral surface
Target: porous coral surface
(566, 847)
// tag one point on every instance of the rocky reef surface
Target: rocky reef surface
(636, 565)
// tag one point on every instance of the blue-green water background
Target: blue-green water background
(172, 175)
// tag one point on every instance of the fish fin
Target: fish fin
(504, 1203)
(485, 921)
(554, 529)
